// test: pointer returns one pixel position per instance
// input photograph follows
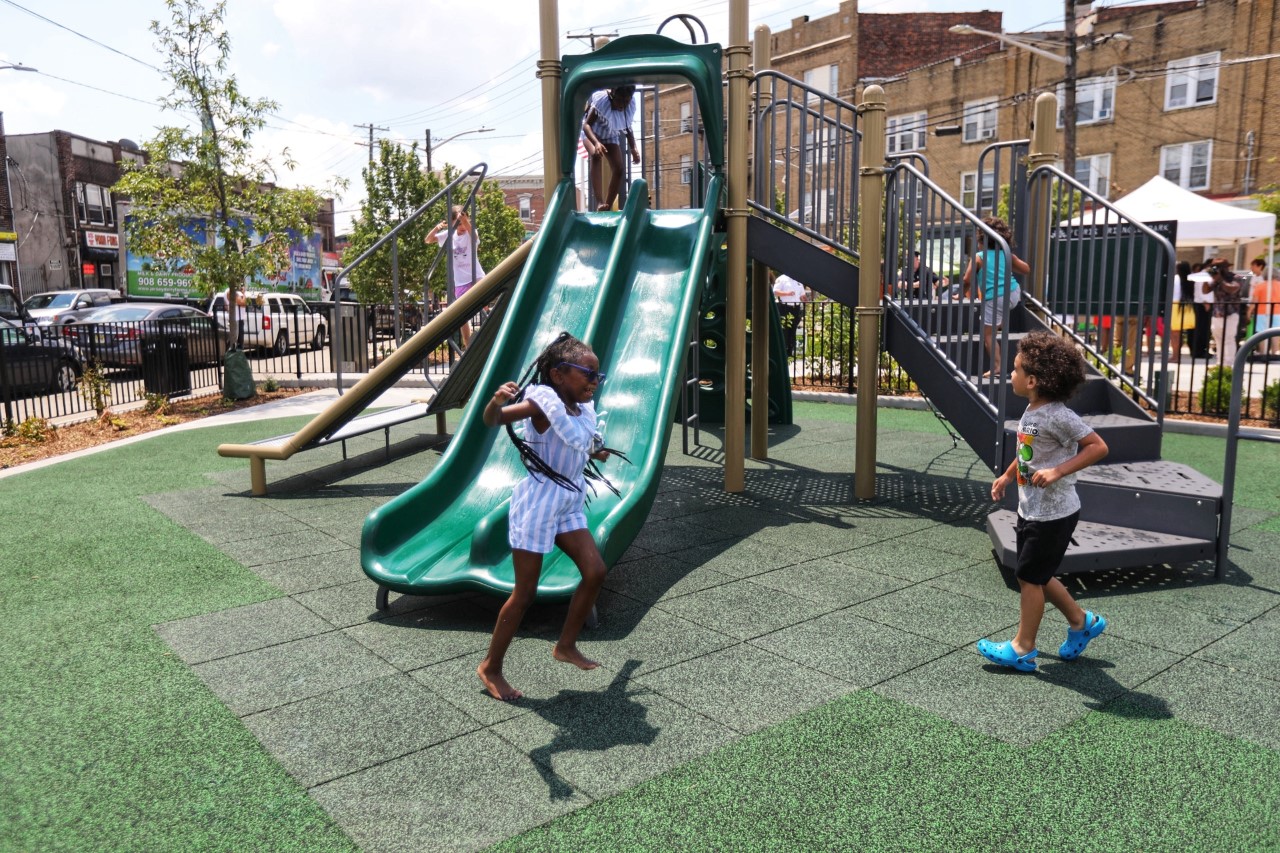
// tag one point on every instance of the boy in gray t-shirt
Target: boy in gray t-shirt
(1053, 445)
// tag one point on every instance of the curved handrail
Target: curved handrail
(1233, 436)
(477, 171)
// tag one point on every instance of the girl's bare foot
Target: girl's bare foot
(497, 685)
(575, 657)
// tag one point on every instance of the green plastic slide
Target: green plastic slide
(626, 283)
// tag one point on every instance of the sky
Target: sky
(451, 66)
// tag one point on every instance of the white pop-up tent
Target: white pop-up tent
(1201, 221)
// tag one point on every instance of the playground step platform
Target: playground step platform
(1096, 546)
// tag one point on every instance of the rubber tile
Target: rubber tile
(1175, 629)
(829, 583)
(661, 577)
(240, 629)
(1253, 648)
(422, 637)
(909, 563)
(666, 536)
(529, 667)
(1023, 708)
(743, 609)
(940, 615)
(353, 602)
(464, 794)
(601, 742)
(306, 574)
(744, 687)
(1226, 700)
(274, 676)
(852, 649)
(741, 558)
(649, 635)
(356, 727)
(284, 546)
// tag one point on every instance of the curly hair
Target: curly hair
(1001, 227)
(1055, 363)
(564, 348)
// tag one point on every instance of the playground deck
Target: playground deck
(784, 668)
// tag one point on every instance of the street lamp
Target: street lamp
(9, 66)
(432, 145)
(967, 30)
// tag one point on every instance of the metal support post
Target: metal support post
(760, 296)
(870, 287)
(735, 390)
(1043, 152)
(549, 72)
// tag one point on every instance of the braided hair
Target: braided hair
(564, 348)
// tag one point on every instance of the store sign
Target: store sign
(8, 251)
(55, 265)
(88, 269)
(8, 236)
(101, 240)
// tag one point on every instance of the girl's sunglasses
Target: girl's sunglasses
(592, 375)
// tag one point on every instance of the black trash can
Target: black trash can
(166, 365)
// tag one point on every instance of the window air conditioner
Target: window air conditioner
(987, 133)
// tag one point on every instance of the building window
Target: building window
(686, 169)
(686, 117)
(1187, 165)
(973, 198)
(1095, 173)
(823, 79)
(526, 207)
(93, 205)
(907, 132)
(1095, 100)
(980, 120)
(1192, 82)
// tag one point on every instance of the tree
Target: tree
(204, 200)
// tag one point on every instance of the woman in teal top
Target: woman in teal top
(990, 263)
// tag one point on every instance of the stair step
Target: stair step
(1096, 546)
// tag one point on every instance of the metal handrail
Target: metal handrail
(477, 171)
(1234, 434)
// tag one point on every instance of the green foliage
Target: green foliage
(194, 200)
(1215, 394)
(33, 430)
(94, 387)
(1271, 402)
(1269, 202)
(270, 384)
(396, 186)
(156, 404)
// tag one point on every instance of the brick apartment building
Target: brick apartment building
(70, 223)
(8, 236)
(1170, 88)
(524, 194)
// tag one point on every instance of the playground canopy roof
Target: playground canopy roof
(1201, 221)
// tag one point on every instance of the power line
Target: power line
(128, 56)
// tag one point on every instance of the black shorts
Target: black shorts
(1042, 545)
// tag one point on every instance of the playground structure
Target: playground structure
(651, 291)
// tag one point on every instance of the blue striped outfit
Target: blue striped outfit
(540, 509)
(611, 125)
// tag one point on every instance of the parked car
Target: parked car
(59, 307)
(117, 335)
(14, 311)
(32, 365)
(275, 321)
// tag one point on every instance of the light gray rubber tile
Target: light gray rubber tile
(649, 635)
(744, 687)
(464, 794)
(829, 583)
(353, 603)
(305, 574)
(940, 615)
(741, 558)
(258, 550)
(852, 649)
(743, 609)
(528, 667)
(604, 742)
(422, 637)
(274, 676)
(1023, 708)
(240, 629)
(668, 535)
(660, 577)
(331, 735)
(902, 559)
(1137, 618)
(1253, 648)
(1230, 701)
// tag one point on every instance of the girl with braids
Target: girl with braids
(559, 437)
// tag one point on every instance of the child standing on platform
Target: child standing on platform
(995, 279)
(560, 435)
(1053, 445)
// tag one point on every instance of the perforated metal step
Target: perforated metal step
(1098, 546)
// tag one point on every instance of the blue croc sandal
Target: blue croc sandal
(1004, 654)
(1078, 641)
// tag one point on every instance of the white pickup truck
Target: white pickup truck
(276, 321)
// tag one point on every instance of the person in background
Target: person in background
(1183, 316)
(1225, 286)
(997, 286)
(1264, 305)
(466, 266)
(1202, 304)
(791, 296)
(605, 126)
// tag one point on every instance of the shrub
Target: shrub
(270, 384)
(94, 387)
(1271, 402)
(1215, 394)
(34, 430)
(157, 404)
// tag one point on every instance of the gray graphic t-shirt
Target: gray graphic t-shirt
(1048, 436)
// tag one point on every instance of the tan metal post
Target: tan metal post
(760, 296)
(549, 71)
(1043, 151)
(870, 284)
(735, 371)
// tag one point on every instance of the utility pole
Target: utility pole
(591, 35)
(371, 128)
(429, 169)
(1069, 92)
